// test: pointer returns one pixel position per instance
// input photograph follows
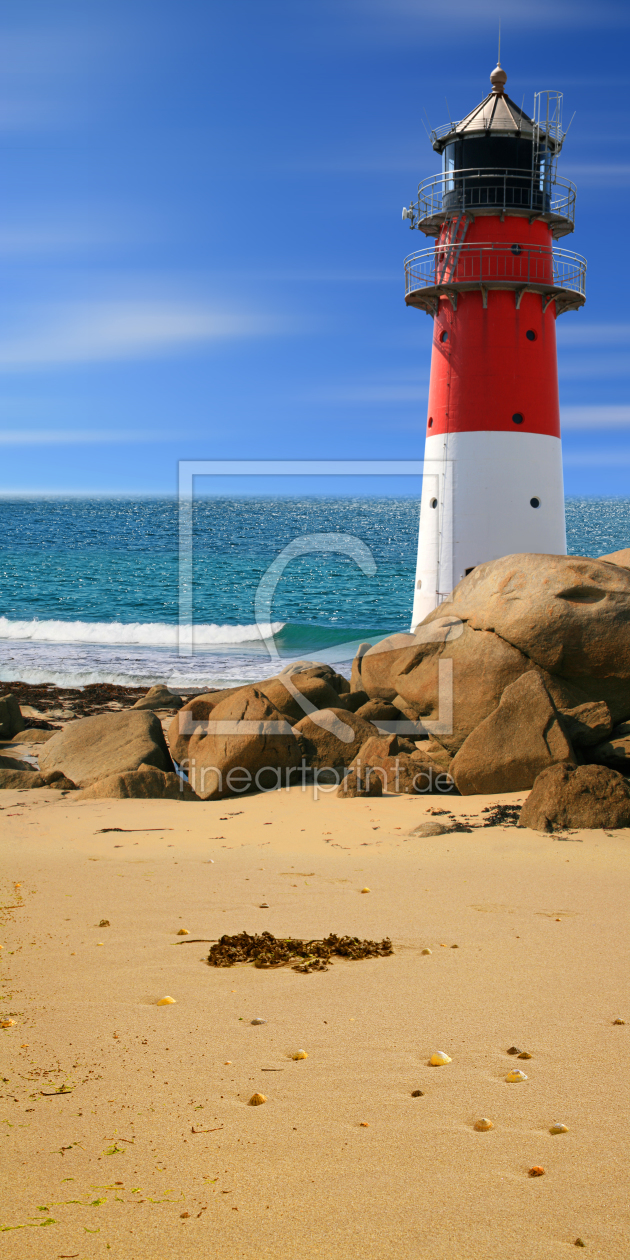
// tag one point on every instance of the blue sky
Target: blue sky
(200, 231)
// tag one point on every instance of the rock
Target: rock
(577, 797)
(110, 743)
(588, 723)
(356, 682)
(429, 829)
(248, 746)
(332, 737)
(432, 750)
(159, 698)
(513, 744)
(145, 783)
(32, 735)
(317, 669)
(13, 763)
(383, 745)
(617, 557)
(568, 614)
(400, 773)
(20, 779)
(11, 720)
(614, 752)
(381, 664)
(377, 711)
(354, 784)
(355, 700)
(316, 692)
(192, 719)
(55, 779)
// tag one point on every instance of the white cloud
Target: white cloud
(596, 417)
(79, 437)
(91, 332)
(597, 458)
(571, 334)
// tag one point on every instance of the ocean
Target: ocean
(89, 589)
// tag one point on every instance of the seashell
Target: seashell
(257, 1100)
(439, 1059)
(559, 1128)
(537, 1171)
(454, 946)
(264, 905)
(427, 951)
(515, 1050)
(183, 932)
(483, 1125)
(104, 923)
(166, 1001)
(300, 1054)
(516, 1075)
(615, 1021)
(7, 1023)
(366, 890)
(417, 1093)
(524, 1054)
(258, 1021)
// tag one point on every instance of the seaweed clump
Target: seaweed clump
(501, 815)
(267, 950)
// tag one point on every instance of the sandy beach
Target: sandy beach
(152, 1152)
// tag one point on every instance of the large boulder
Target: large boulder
(159, 698)
(356, 681)
(14, 763)
(400, 773)
(146, 783)
(332, 737)
(248, 744)
(11, 720)
(587, 724)
(618, 557)
(192, 719)
(315, 692)
(109, 743)
(569, 615)
(568, 796)
(614, 752)
(507, 751)
(378, 711)
(28, 779)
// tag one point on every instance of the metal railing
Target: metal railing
(494, 189)
(513, 265)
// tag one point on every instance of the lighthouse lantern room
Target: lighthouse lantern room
(494, 282)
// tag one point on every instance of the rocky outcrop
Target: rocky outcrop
(617, 557)
(399, 773)
(192, 719)
(14, 763)
(356, 681)
(109, 743)
(11, 720)
(332, 737)
(159, 698)
(248, 744)
(378, 711)
(587, 724)
(316, 693)
(568, 614)
(146, 783)
(614, 752)
(28, 779)
(509, 749)
(568, 796)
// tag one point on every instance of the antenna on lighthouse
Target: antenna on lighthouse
(499, 54)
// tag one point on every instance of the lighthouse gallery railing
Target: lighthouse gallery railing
(516, 265)
(495, 189)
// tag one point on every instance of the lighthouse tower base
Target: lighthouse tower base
(485, 494)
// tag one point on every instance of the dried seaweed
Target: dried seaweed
(267, 950)
(502, 815)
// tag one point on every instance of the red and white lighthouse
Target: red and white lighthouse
(494, 283)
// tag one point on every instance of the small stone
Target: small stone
(183, 1215)
(516, 1075)
(366, 890)
(104, 923)
(264, 905)
(257, 1020)
(454, 946)
(364, 1124)
(524, 1054)
(579, 1242)
(166, 1001)
(427, 951)
(439, 1059)
(615, 1021)
(483, 1125)
(300, 1054)
(417, 1093)
(257, 1100)
(537, 1171)
(514, 1050)
(559, 1128)
(183, 932)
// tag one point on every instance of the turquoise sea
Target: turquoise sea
(89, 589)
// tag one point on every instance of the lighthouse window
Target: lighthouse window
(430, 422)
(517, 418)
(433, 503)
(517, 249)
(534, 503)
(444, 336)
(530, 334)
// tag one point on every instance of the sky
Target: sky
(201, 243)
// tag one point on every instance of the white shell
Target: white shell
(300, 1054)
(517, 1075)
(166, 1001)
(439, 1059)
(559, 1128)
(259, 1021)
(483, 1125)
(256, 1100)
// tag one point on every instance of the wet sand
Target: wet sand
(153, 1151)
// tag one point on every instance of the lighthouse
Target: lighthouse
(494, 282)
